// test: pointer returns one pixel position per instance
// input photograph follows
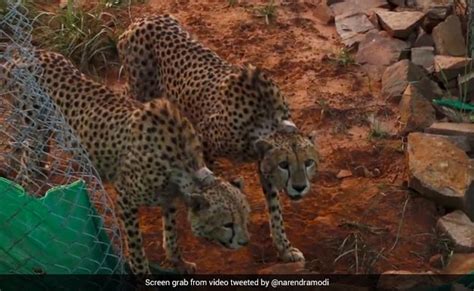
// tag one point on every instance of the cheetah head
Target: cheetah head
(288, 160)
(220, 213)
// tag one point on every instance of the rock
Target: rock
(323, 13)
(448, 37)
(440, 171)
(423, 39)
(423, 56)
(396, 77)
(377, 51)
(400, 24)
(353, 27)
(435, 9)
(449, 128)
(287, 268)
(460, 264)
(459, 229)
(416, 112)
(353, 6)
(398, 3)
(437, 261)
(344, 174)
(406, 280)
(460, 141)
(448, 68)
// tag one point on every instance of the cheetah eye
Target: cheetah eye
(229, 225)
(309, 163)
(284, 165)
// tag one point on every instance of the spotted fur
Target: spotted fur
(152, 155)
(239, 112)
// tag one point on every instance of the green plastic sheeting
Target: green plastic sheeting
(60, 233)
(454, 104)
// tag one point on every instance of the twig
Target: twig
(400, 224)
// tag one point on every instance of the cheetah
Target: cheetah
(239, 112)
(151, 154)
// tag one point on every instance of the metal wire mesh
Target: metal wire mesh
(39, 151)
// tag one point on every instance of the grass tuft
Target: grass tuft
(267, 11)
(85, 35)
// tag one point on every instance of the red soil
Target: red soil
(334, 101)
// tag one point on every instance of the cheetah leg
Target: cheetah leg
(128, 214)
(287, 252)
(170, 242)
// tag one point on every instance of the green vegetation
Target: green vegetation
(85, 35)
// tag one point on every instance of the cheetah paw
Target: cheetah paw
(292, 255)
(185, 267)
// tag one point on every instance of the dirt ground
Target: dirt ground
(367, 223)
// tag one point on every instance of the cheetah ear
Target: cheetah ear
(238, 183)
(262, 146)
(287, 126)
(197, 202)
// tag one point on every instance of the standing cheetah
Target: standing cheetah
(239, 112)
(152, 155)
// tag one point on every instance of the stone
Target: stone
(459, 229)
(450, 128)
(377, 51)
(440, 171)
(353, 27)
(406, 280)
(400, 24)
(344, 174)
(448, 68)
(416, 112)
(435, 9)
(398, 3)
(448, 37)
(423, 56)
(423, 39)
(460, 141)
(396, 77)
(352, 6)
(460, 264)
(323, 13)
(285, 268)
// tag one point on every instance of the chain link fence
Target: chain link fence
(55, 216)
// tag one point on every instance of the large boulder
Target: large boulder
(459, 229)
(435, 9)
(377, 51)
(448, 37)
(352, 6)
(352, 27)
(440, 171)
(416, 112)
(400, 24)
(396, 77)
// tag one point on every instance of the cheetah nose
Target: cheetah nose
(299, 188)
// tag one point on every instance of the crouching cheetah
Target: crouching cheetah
(152, 155)
(238, 111)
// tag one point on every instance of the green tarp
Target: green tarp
(60, 233)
